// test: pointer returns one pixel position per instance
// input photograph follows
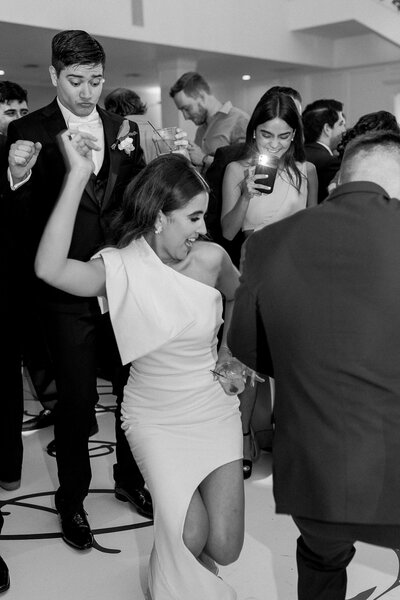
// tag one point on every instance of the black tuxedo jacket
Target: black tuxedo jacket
(34, 200)
(327, 166)
(318, 309)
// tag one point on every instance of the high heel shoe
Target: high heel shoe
(247, 463)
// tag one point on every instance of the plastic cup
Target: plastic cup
(165, 142)
(231, 376)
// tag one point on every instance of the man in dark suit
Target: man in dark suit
(318, 310)
(324, 125)
(28, 341)
(74, 325)
(13, 104)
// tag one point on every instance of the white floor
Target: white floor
(43, 567)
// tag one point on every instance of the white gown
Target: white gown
(179, 423)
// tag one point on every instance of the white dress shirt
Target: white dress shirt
(91, 124)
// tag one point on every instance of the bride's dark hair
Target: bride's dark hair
(167, 183)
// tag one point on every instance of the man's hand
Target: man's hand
(181, 141)
(196, 154)
(21, 158)
(77, 149)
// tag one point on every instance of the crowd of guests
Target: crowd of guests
(131, 259)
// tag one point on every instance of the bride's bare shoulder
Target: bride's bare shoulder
(210, 257)
(209, 251)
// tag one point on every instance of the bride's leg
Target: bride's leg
(196, 527)
(223, 495)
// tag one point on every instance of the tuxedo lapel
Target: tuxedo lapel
(110, 134)
(53, 121)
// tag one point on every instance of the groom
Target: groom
(74, 327)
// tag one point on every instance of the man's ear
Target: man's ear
(53, 75)
(327, 129)
(203, 96)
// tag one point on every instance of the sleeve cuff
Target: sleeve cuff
(17, 185)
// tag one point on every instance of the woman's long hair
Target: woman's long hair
(282, 106)
(167, 183)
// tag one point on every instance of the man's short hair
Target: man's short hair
(191, 84)
(368, 144)
(317, 114)
(10, 91)
(123, 102)
(75, 47)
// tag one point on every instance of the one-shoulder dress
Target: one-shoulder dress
(180, 424)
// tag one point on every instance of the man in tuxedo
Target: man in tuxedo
(324, 125)
(29, 340)
(318, 310)
(13, 104)
(75, 329)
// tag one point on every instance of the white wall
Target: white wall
(362, 90)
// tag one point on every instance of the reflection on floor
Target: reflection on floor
(43, 567)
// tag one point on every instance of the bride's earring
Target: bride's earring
(158, 229)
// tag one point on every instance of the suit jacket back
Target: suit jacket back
(318, 308)
(327, 166)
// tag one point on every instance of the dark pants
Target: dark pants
(11, 397)
(11, 402)
(325, 549)
(37, 360)
(80, 340)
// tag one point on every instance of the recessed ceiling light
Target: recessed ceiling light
(246, 77)
(2, 72)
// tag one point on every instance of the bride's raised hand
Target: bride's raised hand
(77, 151)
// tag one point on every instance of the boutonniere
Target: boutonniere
(124, 139)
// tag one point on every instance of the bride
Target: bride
(163, 287)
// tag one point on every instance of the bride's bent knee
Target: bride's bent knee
(225, 550)
(195, 534)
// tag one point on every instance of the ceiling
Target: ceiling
(25, 57)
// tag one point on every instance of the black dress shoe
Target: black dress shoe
(139, 497)
(4, 576)
(44, 419)
(76, 530)
(51, 446)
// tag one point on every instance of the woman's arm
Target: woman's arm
(312, 185)
(237, 191)
(334, 182)
(52, 263)
(227, 283)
